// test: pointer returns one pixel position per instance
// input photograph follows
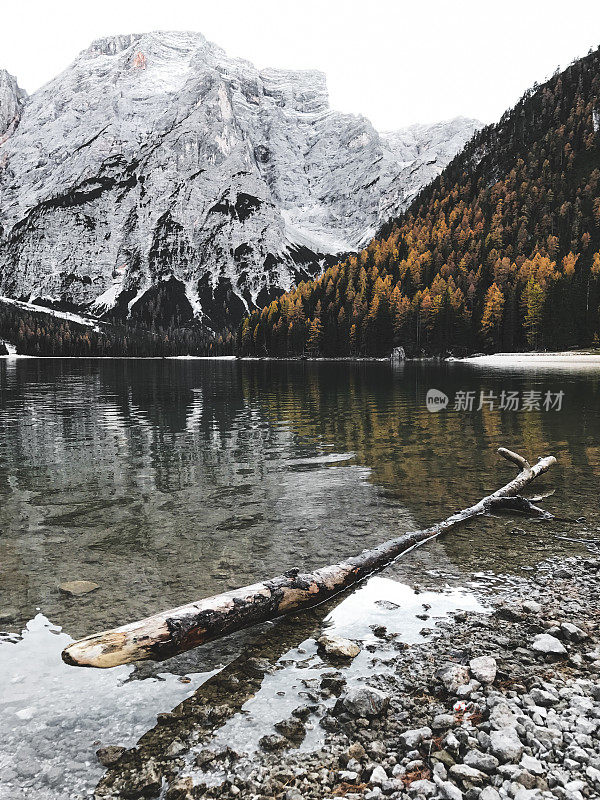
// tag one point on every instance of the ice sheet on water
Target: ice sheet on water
(53, 717)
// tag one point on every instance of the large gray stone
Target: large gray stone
(547, 645)
(502, 716)
(482, 761)
(337, 646)
(506, 745)
(453, 676)
(483, 669)
(543, 698)
(365, 701)
(413, 738)
(467, 774)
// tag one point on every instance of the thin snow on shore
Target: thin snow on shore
(562, 361)
(202, 358)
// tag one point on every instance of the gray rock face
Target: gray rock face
(422, 152)
(12, 100)
(158, 170)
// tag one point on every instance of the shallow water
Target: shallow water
(166, 481)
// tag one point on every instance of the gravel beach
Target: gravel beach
(502, 704)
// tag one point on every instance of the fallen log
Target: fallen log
(171, 632)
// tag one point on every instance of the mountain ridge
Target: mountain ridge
(158, 176)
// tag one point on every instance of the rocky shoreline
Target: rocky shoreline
(498, 705)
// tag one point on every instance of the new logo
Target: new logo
(436, 400)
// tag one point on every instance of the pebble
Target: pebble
(489, 793)
(448, 790)
(378, 776)
(532, 764)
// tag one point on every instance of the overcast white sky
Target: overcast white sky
(395, 61)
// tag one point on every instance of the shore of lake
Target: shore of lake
(495, 705)
(566, 359)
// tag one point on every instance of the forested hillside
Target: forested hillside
(44, 334)
(501, 252)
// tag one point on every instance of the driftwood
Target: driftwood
(171, 632)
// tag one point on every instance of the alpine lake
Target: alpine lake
(165, 481)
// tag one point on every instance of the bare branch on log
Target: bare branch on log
(170, 632)
(521, 462)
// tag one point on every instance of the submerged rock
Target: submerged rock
(292, 729)
(78, 588)
(273, 742)
(337, 646)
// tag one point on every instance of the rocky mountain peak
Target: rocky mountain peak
(157, 172)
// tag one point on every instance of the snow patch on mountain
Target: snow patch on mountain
(70, 316)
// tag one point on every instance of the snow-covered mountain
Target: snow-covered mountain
(156, 171)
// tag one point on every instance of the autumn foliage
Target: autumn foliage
(502, 251)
